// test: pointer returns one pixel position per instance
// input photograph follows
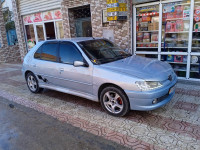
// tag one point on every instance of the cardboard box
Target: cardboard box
(153, 26)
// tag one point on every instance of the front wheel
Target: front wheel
(32, 83)
(114, 101)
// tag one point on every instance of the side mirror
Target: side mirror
(79, 64)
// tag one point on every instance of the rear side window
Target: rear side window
(69, 53)
(38, 53)
(49, 52)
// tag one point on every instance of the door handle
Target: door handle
(61, 69)
(34, 65)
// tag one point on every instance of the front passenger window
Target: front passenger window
(69, 53)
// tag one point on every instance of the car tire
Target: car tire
(114, 101)
(32, 83)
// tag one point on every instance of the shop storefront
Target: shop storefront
(169, 31)
(43, 26)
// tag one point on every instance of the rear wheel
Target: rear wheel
(114, 101)
(32, 83)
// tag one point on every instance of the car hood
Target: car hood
(141, 67)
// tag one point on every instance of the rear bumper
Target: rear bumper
(144, 100)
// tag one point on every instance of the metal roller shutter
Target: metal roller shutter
(32, 6)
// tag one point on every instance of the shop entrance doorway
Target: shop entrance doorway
(50, 30)
(82, 21)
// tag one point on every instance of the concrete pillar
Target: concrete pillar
(19, 29)
(3, 37)
(65, 18)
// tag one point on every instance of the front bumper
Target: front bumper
(144, 100)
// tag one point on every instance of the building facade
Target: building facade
(167, 30)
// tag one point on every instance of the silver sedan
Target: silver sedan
(100, 71)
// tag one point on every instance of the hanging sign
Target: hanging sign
(116, 10)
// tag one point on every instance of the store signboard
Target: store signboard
(43, 16)
(116, 10)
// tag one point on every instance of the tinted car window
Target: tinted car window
(49, 52)
(37, 53)
(102, 51)
(69, 53)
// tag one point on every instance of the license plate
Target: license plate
(172, 89)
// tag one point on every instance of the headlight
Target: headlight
(148, 85)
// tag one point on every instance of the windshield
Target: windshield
(102, 51)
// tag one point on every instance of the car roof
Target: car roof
(79, 39)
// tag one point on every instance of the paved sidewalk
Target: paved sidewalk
(174, 126)
(26, 129)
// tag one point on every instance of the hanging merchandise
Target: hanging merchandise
(169, 8)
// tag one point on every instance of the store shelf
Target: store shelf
(148, 31)
(182, 4)
(196, 39)
(149, 14)
(174, 19)
(195, 64)
(178, 32)
(145, 52)
(194, 71)
(196, 31)
(146, 47)
(174, 47)
(176, 40)
(177, 62)
(180, 70)
(195, 47)
(147, 43)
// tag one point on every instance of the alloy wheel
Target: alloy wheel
(32, 84)
(113, 102)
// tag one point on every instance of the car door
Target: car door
(71, 77)
(46, 62)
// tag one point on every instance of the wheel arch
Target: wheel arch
(103, 86)
(27, 72)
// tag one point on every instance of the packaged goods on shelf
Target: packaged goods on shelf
(178, 58)
(186, 26)
(179, 26)
(179, 12)
(185, 59)
(194, 59)
(170, 15)
(170, 26)
(155, 19)
(170, 58)
(153, 26)
(143, 26)
(197, 27)
(146, 18)
(146, 40)
(140, 37)
(146, 37)
(154, 37)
